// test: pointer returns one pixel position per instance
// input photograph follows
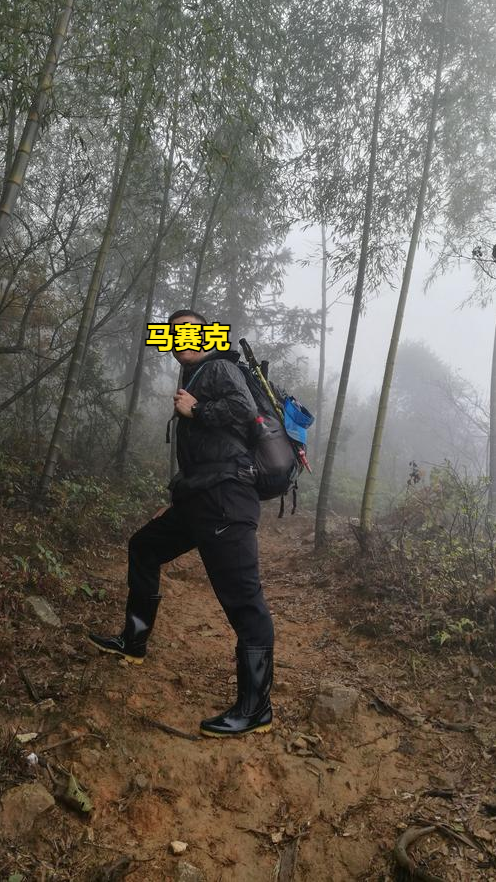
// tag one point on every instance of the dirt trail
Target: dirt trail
(244, 805)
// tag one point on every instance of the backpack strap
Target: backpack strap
(295, 490)
(174, 415)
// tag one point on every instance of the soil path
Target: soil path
(260, 808)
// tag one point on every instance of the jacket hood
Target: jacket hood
(229, 355)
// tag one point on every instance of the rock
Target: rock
(178, 847)
(141, 781)
(26, 737)
(188, 873)
(47, 704)
(43, 610)
(21, 806)
(474, 670)
(282, 686)
(89, 757)
(335, 703)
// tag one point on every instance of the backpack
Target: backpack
(278, 435)
(277, 440)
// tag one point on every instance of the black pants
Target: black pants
(221, 522)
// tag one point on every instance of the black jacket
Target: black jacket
(214, 445)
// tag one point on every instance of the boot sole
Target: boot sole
(266, 728)
(131, 659)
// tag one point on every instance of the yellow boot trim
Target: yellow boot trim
(131, 659)
(266, 728)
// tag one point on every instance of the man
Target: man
(215, 508)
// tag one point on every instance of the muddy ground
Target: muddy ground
(419, 751)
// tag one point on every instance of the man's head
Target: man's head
(181, 317)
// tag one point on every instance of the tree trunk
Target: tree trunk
(125, 437)
(12, 112)
(370, 483)
(323, 339)
(72, 379)
(113, 190)
(17, 173)
(9, 148)
(323, 500)
(492, 438)
(194, 297)
(19, 345)
(135, 328)
(35, 399)
(206, 239)
(233, 308)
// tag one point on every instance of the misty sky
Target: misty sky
(463, 338)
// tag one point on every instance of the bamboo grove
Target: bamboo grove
(158, 154)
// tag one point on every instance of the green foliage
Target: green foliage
(447, 535)
(81, 504)
(21, 563)
(463, 631)
(49, 562)
(440, 547)
(41, 562)
(14, 477)
(93, 593)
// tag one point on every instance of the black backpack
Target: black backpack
(279, 459)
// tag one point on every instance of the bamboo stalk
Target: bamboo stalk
(125, 437)
(322, 353)
(325, 484)
(73, 373)
(371, 480)
(492, 437)
(206, 239)
(17, 173)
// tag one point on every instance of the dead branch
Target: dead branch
(400, 853)
(32, 691)
(169, 729)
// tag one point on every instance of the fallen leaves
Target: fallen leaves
(75, 797)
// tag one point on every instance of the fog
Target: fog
(462, 337)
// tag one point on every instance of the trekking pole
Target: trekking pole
(254, 365)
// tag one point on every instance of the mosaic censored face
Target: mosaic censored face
(187, 339)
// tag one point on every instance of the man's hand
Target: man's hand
(183, 402)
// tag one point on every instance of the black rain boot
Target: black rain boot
(131, 643)
(252, 711)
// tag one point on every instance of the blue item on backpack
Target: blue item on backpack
(297, 419)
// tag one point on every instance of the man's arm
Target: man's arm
(230, 399)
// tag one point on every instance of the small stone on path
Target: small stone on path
(43, 610)
(188, 873)
(21, 806)
(334, 703)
